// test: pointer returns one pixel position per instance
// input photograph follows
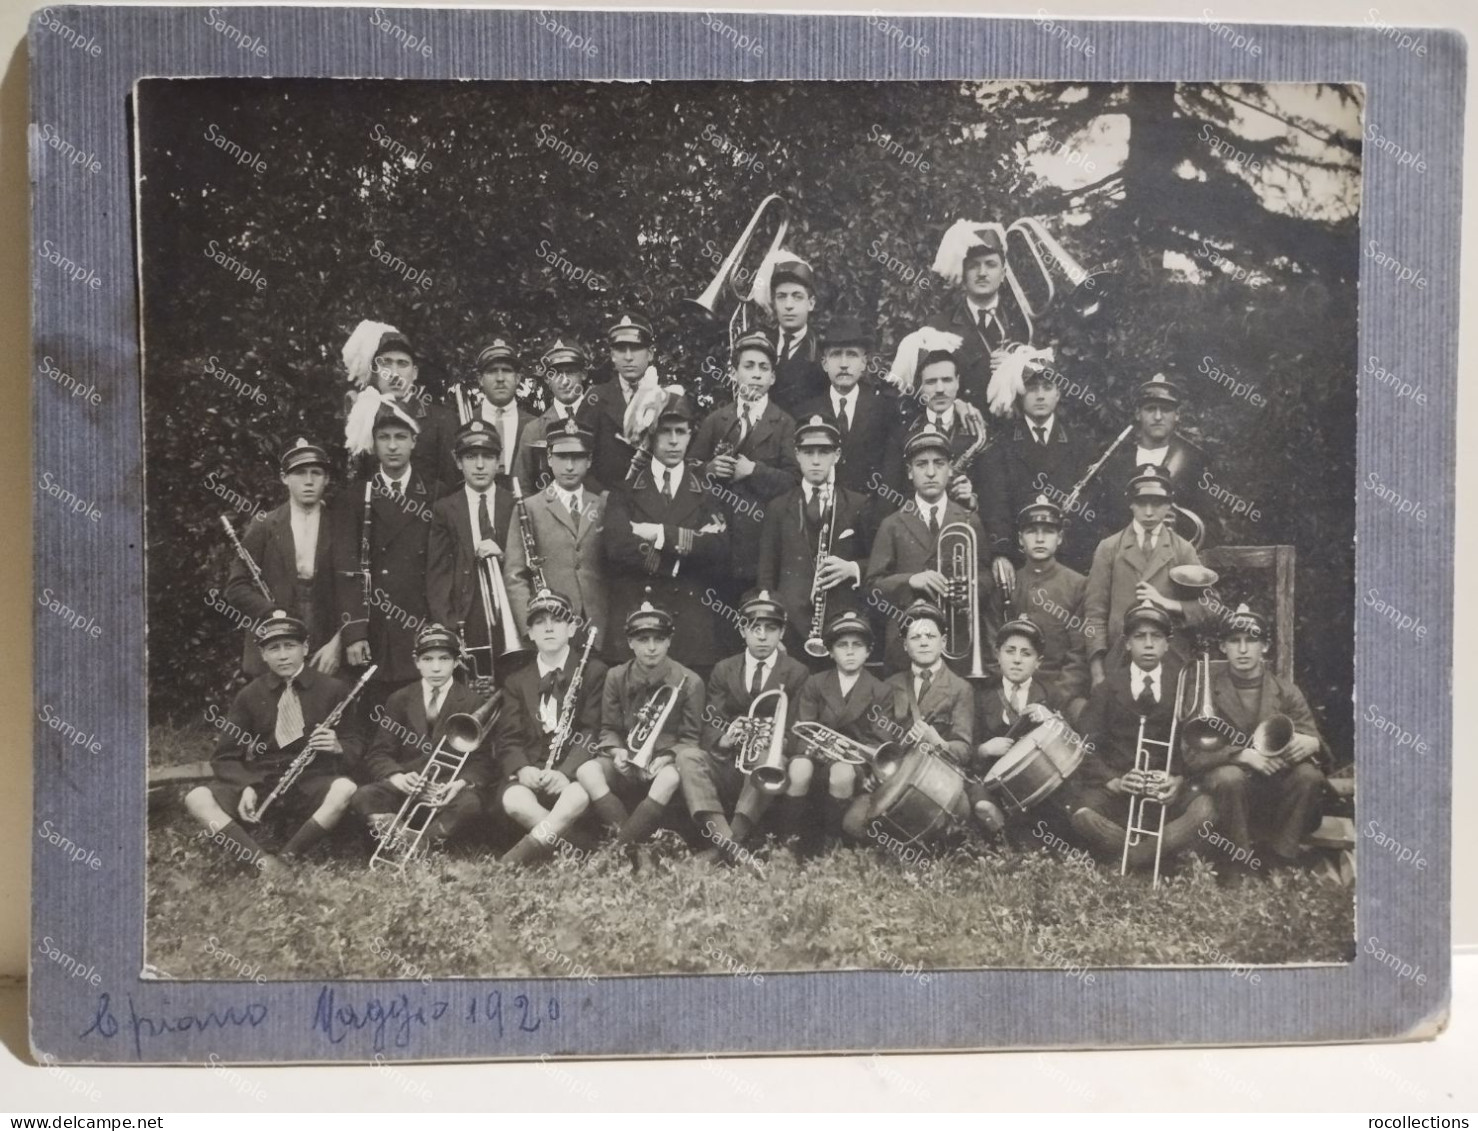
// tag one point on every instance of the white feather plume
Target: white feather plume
(1007, 381)
(949, 261)
(359, 429)
(905, 368)
(359, 351)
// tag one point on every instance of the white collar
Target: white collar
(756, 407)
(545, 667)
(923, 508)
(1045, 425)
(1140, 531)
(811, 488)
(400, 480)
(426, 689)
(946, 418)
(918, 672)
(795, 335)
(1140, 675)
(847, 682)
(659, 469)
(473, 494)
(978, 309)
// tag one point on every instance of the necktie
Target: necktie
(1018, 697)
(934, 524)
(1146, 698)
(549, 700)
(667, 477)
(813, 507)
(757, 684)
(1040, 434)
(572, 504)
(484, 520)
(746, 422)
(787, 340)
(289, 715)
(926, 678)
(549, 683)
(433, 709)
(1147, 543)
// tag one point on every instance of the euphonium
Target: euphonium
(461, 734)
(761, 751)
(651, 716)
(959, 561)
(829, 745)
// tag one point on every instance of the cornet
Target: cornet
(828, 745)
(729, 270)
(761, 751)
(958, 557)
(641, 739)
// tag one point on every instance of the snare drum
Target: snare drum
(1035, 766)
(923, 797)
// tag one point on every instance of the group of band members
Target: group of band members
(691, 545)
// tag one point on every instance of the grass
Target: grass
(468, 916)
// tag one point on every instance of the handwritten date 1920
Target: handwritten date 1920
(397, 1018)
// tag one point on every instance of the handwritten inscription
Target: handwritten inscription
(143, 1028)
(398, 1018)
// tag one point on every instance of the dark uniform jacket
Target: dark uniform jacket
(800, 378)
(1109, 725)
(787, 565)
(1277, 697)
(1187, 467)
(627, 688)
(948, 706)
(452, 590)
(771, 445)
(1015, 469)
(269, 541)
(871, 462)
(974, 353)
(531, 462)
(402, 742)
(433, 456)
(246, 750)
(400, 534)
(729, 698)
(1051, 596)
(858, 716)
(606, 405)
(573, 559)
(994, 716)
(683, 573)
(519, 736)
(960, 442)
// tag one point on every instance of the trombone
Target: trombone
(959, 560)
(1138, 825)
(729, 271)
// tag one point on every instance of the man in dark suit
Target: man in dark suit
(1041, 454)
(382, 601)
(791, 533)
(395, 373)
(798, 371)
(563, 369)
(667, 540)
(1154, 442)
(973, 257)
(904, 566)
(747, 449)
(632, 353)
(467, 527)
(292, 547)
(868, 420)
(495, 405)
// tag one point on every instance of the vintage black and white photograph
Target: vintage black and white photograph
(629, 528)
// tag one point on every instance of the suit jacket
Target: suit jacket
(872, 449)
(1187, 467)
(531, 463)
(573, 560)
(1015, 469)
(519, 737)
(246, 750)
(611, 456)
(787, 564)
(902, 548)
(960, 442)
(771, 444)
(400, 536)
(452, 591)
(859, 716)
(524, 421)
(994, 716)
(682, 574)
(1109, 725)
(974, 353)
(800, 378)
(269, 541)
(729, 697)
(434, 456)
(627, 689)
(1118, 566)
(402, 741)
(1051, 597)
(1276, 697)
(948, 706)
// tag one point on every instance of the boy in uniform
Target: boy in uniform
(546, 801)
(850, 700)
(610, 781)
(293, 548)
(904, 566)
(563, 367)
(467, 527)
(793, 527)
(712, 782)
(1097, 796)
(999, 706)
(270, 721)
(1133, 567)
(1263, 800)
(406, 733)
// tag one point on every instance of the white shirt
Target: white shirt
(750, 663)
(924, 508)
(570, 499)
(1140, 532)
(441, 693)
(944, 421)
(1045, 428)
(918, 676)
(976, 310)
(563, 412)
(505, 420)
(753, 410)
(549, 707)
(398, 485)
(847, 682)
(810, 490)
(1138, 677)
(675, 474)
(305, 538)
(796, 338)
(844, 404)
(472, 497)
(1155, 456)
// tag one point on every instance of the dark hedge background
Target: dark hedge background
(647, 223)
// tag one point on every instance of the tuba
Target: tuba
(959, 561)
(729, 271)
(651, 716)
(761, 753)
(828, 745)
(461, 734)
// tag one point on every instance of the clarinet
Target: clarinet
(245, 555)
(531, 556)
(565, 728)
(815, 644)
(300, 763)
(365, 524)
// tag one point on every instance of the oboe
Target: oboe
(245, 556)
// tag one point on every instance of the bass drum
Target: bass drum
(1035, 766)
(921, 799)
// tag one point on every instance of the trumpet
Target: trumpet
(815, 645)
(651, 716)
(959, 561)
(461, 734)
(761, 752)
(729, 271)
(1138, 826)
(828, 745)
